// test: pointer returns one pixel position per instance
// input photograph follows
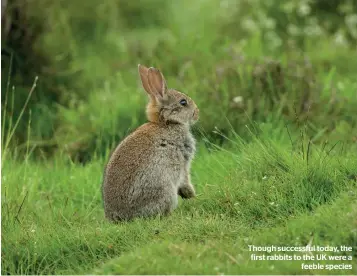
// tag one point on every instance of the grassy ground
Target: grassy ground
(258, 193)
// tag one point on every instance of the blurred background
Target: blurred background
(284, 63)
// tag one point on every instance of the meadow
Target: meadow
(277, 138)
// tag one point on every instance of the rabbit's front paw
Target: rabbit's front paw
(186, 192)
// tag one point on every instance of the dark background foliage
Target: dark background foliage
(247, 61)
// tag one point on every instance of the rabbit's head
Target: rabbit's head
(166, 105)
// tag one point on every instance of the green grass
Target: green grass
(260, 193)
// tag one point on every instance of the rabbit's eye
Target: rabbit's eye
(183, 102)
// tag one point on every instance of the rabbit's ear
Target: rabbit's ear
(157, 83)
(143, 72)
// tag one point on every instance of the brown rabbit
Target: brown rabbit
(151, 167)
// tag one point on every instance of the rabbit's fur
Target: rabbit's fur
(151, 167)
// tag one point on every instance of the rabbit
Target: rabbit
(150, 168)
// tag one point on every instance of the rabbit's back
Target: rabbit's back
(142, 174)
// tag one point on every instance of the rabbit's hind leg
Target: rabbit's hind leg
(162, 206)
